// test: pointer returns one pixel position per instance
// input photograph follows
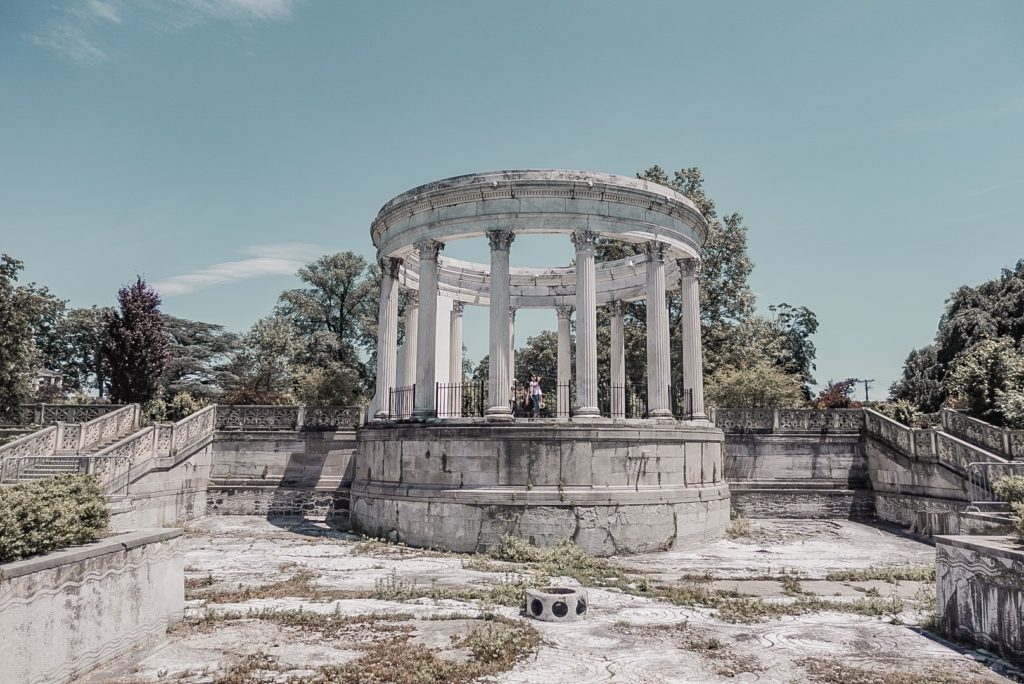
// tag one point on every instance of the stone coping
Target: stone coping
(117, 543)
(1003, 546)
(545, 495)
(551, 428)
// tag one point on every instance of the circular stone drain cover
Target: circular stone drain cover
(556, 604)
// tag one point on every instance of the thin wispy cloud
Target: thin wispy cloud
(995, 188)
(81, 29)
(274, 259)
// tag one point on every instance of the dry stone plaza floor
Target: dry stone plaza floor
(780, 601)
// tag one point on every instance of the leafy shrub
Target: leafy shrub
(759, 385)
(988, 379)
(182, 405)
(1018, 520)
(902, 411)
(837, 395)
(1010, 488)
(43, 515)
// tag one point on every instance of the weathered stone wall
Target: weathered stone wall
(904, 485)
(171, 489)
(288, 472)
(612, 488)
(69, 611)
(980, 592)
(798, 475)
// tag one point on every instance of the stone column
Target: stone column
(617, 359)
(693, 364)
(412, 324)
(659, 374)
(564, 313)
(498, 380)
(586, 325)
(454, 397)
(387, 334)
(511, 344)
(426, 334)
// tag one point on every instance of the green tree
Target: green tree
(989, 380)
(994, 309)
(81, 333)
(539, 355)
(197, 352)
(263, 370)
(19, 357)
(336, 316)
(759, 384)
(135, 344)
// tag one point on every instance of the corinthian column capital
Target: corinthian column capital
(389, 266)
(500, 239)
(655, 250)
(564, 312)
(689, 267)
(427, 250)
(584, 240)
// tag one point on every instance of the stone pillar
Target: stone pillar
(659, 374)
(617, 359)
(562, 394)
(387, 334)
(498, 379)
(426, 334)
(586, 325)
(693, 368)
(453, 398)
(412, 324)
(511, 345)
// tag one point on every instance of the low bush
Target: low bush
(43, 515)
(1010, 488)
(901, 411)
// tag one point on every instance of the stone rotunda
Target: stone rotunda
(435, 468)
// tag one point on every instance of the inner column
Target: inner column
(586, 325)
(658, 363)
(426, 376)
(387, 335)
(453, 398)
(498, 380)
(617, 357)
(563, 398)
(693, 369)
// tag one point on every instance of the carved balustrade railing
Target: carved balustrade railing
(49, 414)
(1007, 443)
(191, 429)
(240, 417)
(958, 454)
(914, 442)
(39, 443)
(788, 420)
(107, 428)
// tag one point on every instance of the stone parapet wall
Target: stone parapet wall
(75, 609)
(611, 487)
(171, 490)
(894, 472)
(800, 501)
(980, 592)
(905, 509)
(271, 501)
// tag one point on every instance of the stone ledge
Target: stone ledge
(115, 544)
(545, 495)
(1002, 546)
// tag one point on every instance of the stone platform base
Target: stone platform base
(612, 487)
(801, 499)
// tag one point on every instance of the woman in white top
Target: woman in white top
(535, 395)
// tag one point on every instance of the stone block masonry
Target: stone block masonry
(981, 592)
(76, 609)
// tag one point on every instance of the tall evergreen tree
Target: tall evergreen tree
(19, 356)
(135, 344)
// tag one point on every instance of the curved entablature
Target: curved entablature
(468, 282)
(540, 202)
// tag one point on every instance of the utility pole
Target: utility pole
(866, 384)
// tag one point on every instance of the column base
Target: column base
(499, 414)
(423, 414)
(659, 413)
(586, 414)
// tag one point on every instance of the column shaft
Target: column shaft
(412, 325)
(562, 396)
(659, 375)
(586, 325)
(387, 334)
(512, 344)
(617, 358)
(426, 336)
(693, 364)
(454, 398)
(498, 378)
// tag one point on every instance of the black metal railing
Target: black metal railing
(682, 402)
(621, 401)
(400, 402)
(460, 399)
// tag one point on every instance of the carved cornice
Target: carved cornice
(584, 240)
(500, 239)
(427, 250)
(564, 312)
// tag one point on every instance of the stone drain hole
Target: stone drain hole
(556, 604)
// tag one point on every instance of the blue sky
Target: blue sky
(875, 148)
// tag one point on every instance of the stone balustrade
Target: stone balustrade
(49, 414)
(780, 420)
(238, 417)
(1001, 441)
